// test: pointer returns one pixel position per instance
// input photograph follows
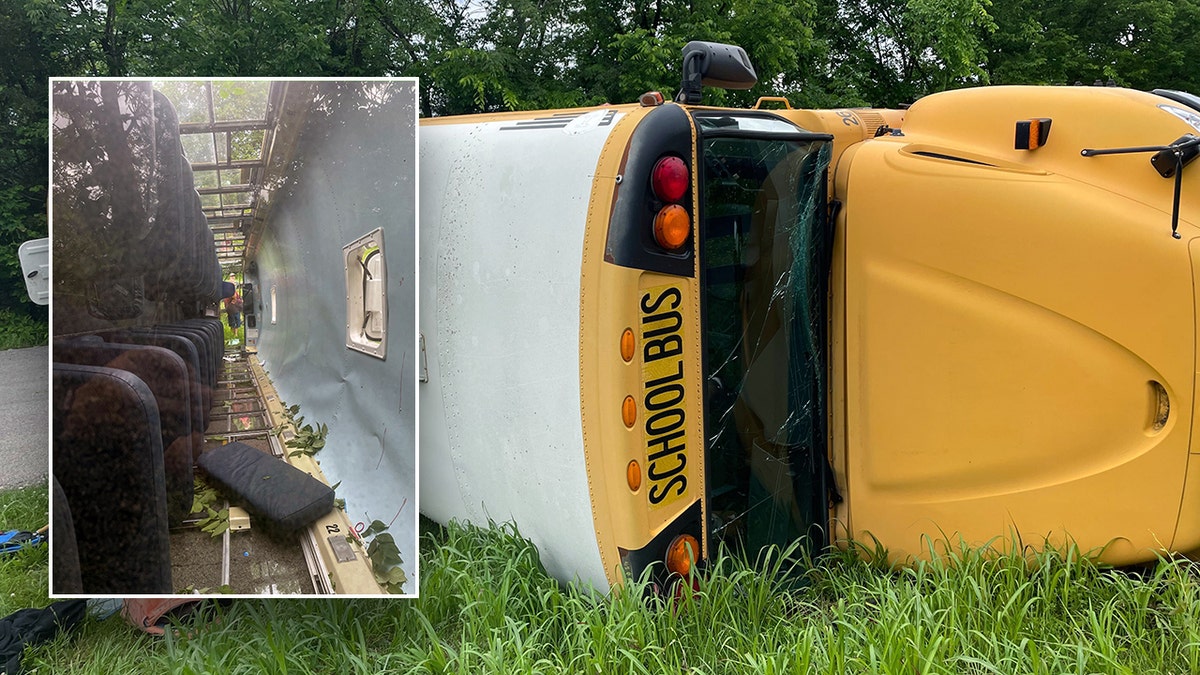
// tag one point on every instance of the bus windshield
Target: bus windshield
(765, 251)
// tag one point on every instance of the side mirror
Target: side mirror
(1175, 156)
(715, 65)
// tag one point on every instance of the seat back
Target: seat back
(108, 458)
(166, 375)
(66, 551)
(186, 351)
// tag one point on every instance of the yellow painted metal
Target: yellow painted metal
(669, 417)
(1004, 317)
(1187, 532)
(610, 302)
(603, 374)
(848, 126)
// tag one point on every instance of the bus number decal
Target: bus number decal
(664, 400)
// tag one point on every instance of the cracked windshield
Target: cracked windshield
(765, 254)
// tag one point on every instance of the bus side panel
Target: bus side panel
(1007, 338)
(1187, 532)
(500, 290)
(351, 178)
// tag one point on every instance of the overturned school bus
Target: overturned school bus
(652, 330)
(182, 461)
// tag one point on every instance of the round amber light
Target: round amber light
(682, 554)
(627, 345)
(633, 475)
(672, 226)
(629, 411)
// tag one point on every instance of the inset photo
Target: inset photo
(234, 352)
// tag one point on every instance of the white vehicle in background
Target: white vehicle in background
(35, 267)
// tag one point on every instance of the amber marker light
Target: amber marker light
(633, 475)
(629, 411)
(627, 345)
(672, 226)
(681, 554)
(1032, 134)
(651, 99)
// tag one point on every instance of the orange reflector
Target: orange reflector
(627, 345)
(672, 226)
(682, 553)
(629, 411)
(1032, 134)
(633, 475)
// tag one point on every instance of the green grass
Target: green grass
(19, 330)
(230, 334)
(24, 575)
(486, 605)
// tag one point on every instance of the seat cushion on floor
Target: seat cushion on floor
(285, 496)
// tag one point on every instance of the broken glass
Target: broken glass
(765, 244)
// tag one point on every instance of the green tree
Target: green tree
(622, 49)
(890, 52)
(1137, 43)
(232, 37)
(29, 33)
(417, 35)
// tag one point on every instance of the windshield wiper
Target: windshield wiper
(1168, 160)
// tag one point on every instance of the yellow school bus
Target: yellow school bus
(1012, 325)
(652, 330)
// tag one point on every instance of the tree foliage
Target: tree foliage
(889, 52)
(489, 55)
(23, 138)
(1144, 44)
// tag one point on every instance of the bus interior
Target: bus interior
(177, 465)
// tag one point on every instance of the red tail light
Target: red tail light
(670, 179)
